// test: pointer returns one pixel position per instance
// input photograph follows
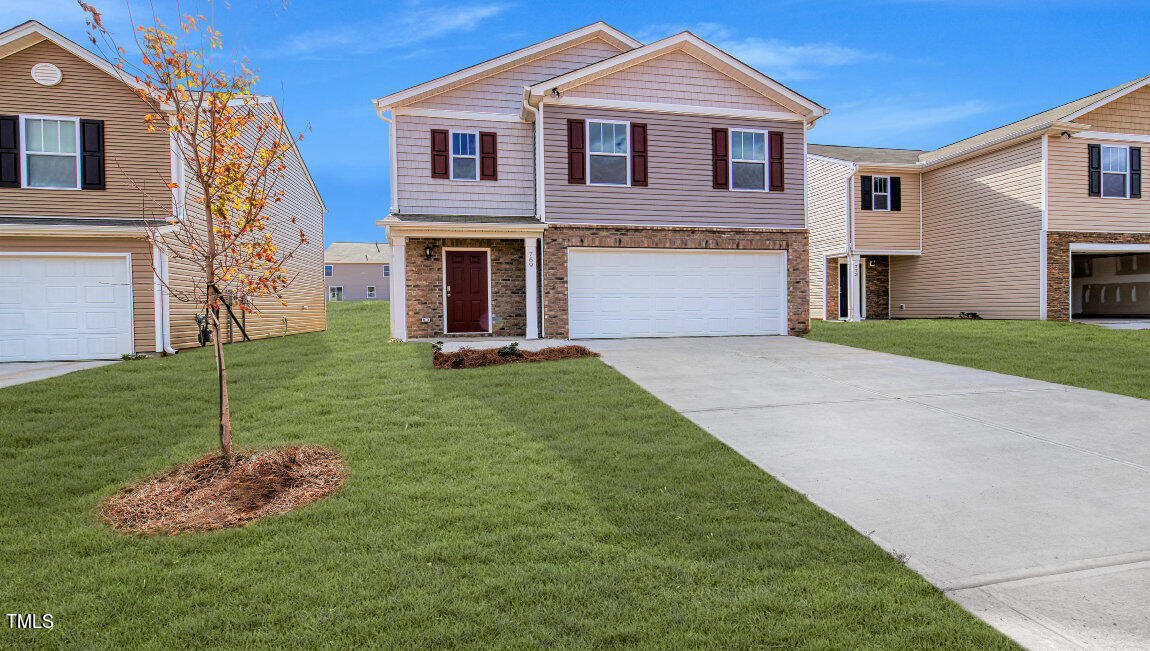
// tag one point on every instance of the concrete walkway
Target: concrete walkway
(1027, 502)
(12, 373)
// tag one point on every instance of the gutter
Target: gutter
(540, 209)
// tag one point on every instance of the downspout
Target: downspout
(392, 164)
(540, 207)
(166, 300)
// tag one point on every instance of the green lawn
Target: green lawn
(547, 504)
(1077, 354)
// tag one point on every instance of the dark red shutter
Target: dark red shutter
(440, 160)
(1135, 172)
(9, 151)
(775, 140)
(896, 193)
(639, 155)
(1094, 170)
(576, 151)
(720, 159)
(488, 156)
(867, 189)
(92, 154)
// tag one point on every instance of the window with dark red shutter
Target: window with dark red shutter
(720, 159)
(775, 138)
(639, 155)
(439, 154)
(488, 156)
(576, 151)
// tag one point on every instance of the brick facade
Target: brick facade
(877, 287)
(1058, 264)
(425, 285)
(557, 238)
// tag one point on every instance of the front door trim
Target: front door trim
(443, 288)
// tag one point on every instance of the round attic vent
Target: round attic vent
(46, 74)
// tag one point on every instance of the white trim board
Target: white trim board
(1086, 247)
(1107, 135)
(681, 109)
(456, 115)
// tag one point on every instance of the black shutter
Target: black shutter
(896, 193)
(1094, 170)
(867, 198)
(720, 158)
(1135, 172)
(92, 154)
(9, 151)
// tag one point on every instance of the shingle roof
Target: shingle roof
(366, 252)
(866, 154)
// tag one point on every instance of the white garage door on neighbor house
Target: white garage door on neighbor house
(675, 293)
(60, 307)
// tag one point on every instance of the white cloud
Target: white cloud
(404, 28)
(891, 122)
(773, 57)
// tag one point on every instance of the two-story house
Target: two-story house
(1043, 218)
(80, 177)
(357, 271)
(592, 186)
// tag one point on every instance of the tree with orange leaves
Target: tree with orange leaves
(232, 147)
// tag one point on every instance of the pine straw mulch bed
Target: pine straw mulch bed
(476, 357)
(205, 494)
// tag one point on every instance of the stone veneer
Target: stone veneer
(877, 287)
(557, 238)
(425, 285)
(1058, 264)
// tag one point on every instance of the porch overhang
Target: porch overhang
(475, 227)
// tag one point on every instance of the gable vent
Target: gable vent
(46, 74)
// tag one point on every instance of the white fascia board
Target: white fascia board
(491, 66)
(1107, 135)
(1109, 98)
(455, 229)
(681, 109)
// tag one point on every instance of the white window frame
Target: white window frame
(329, 270)
(1103, 173)
(732, 160)
(626, 155)
(329, 293)
(24, 149)
(369, 291)
(387, 271)
(873, 192)
(451, 156)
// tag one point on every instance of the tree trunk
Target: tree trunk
(225, 408)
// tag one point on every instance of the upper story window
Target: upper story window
(386, 271)
(328, 270)
(464, 156)
(880, 192)
(608, 150)
(51, 157)
(1115, 171)
(748, 160)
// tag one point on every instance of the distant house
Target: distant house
(357, 271)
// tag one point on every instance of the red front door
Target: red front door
(467, 291)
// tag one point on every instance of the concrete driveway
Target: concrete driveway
(1027, 502)
(12, 373)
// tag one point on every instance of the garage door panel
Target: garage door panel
(665, 293)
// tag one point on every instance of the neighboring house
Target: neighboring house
(357, 271)
(78, 174)
(1043, 218)
(592, 186)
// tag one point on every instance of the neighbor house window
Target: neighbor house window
(607, 153)
(880, 192)
(748, 160)
(335, 293)
(328, 270)
(51, 156)
(386, 270)
(371, 291)
(464, 165)
(1115, 171)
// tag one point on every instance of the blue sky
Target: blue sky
(894, 73)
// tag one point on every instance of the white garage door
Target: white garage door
(64, 307)
(671, 293)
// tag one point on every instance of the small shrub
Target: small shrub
(510, 350)
(127, 357)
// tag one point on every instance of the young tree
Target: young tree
(232, 147)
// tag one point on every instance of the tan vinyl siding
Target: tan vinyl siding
(512, 194)
(887, 230)
(502, 92)
(981, 228)
(1071, 208)
(134, 157)
(827, 220)
(680, 183)
(1127, 114)
(675, 78)
(143, 283)
(305, 309)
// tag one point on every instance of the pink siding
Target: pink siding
(355, 277)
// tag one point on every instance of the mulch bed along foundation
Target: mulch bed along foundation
(476, 357)
(206, 494)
